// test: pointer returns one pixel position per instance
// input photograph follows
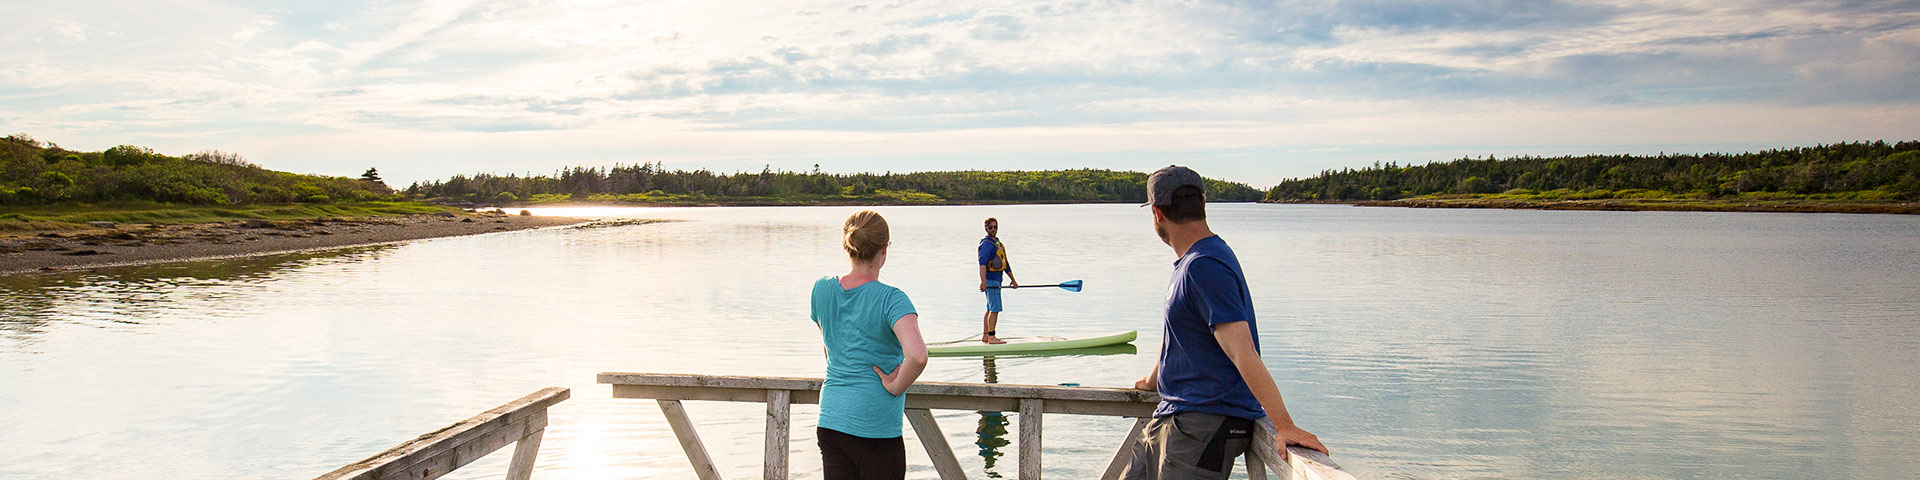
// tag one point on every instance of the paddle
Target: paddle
(1070, 285)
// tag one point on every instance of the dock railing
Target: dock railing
(1031, 401)
(520, 422)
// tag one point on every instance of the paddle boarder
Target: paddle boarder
(1213, 386)
(993, 263)
(866, 325)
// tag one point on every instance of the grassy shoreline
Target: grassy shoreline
(1639, 205)
(73, 216)
(771, 202)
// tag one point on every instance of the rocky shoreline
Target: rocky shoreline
(106, 244)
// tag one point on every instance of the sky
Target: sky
(1255, 92)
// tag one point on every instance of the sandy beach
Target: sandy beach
(129, 244)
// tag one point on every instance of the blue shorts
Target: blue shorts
(993, 296)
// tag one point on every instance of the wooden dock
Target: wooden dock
(522, 422)
(1033, 402)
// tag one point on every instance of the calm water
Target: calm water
(1416, 343)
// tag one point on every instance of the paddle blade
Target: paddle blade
(1070, 285)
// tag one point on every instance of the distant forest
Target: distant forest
(653, 183)
(37, 173)
(1860, 171)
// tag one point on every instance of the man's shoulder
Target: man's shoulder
(1215, 250)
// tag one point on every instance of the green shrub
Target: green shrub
(1595, 194)
(26, 196)
(55, 179)
(1473, 185)
(205, 196)
(269, 194)
(129, 155)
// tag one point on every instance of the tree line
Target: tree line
(1866, 171)
(39, 173)
(652, 182)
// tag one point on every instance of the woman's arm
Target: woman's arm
(907, 329)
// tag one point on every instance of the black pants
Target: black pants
(849, 457)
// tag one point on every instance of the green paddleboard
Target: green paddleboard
(1042, 343)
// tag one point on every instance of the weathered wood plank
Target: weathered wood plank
(711, 394)
(525, 452)
(1102, 407)
(1304, 458)
(775, 467)
(440, 451)
(936, 444)
(1125, 455)
(689, 439)
(460, 455)
(1256, 469)
(1030, 438)
(927, 401)
(959, 402)
(725, 381)
(1043, 392)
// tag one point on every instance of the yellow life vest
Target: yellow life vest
(999, 261)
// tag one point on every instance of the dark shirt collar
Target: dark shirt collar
(1195, 249)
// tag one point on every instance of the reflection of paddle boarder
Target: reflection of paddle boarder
(993, 262)
(993, 425)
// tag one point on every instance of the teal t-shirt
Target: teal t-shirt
(857, 326)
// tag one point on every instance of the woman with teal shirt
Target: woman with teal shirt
(874, 352)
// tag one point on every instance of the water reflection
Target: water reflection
(139, 295)
(993, 425)
(1418, 343)
(991, 434)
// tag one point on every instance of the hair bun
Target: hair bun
(864, 234)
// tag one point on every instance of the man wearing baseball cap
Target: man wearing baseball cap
(1214, 388)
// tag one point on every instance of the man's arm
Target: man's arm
(1152, 382)
(983, 278)
(1237, 340)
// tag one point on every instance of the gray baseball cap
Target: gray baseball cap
(1162, 183)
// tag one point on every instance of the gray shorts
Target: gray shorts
(1189, 445)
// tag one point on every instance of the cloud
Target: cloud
(999, 28)
(70, 29)
(1228, 77)
(248, 31)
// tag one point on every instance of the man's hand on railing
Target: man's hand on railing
(1293, 435)
(1146, 383)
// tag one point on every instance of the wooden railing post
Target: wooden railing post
(777, 415)
(936, 444)
(1030, 438)
(1125, 455)
(689, 440)
(524, 451)
(1256, 469)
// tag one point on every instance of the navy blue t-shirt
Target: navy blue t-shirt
(1195, 374)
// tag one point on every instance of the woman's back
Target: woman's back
(856, 324)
